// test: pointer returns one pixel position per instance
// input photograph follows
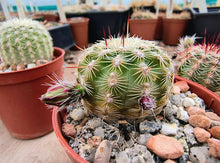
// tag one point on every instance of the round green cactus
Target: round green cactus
(24, 41)
(121, 79)
(200, 63)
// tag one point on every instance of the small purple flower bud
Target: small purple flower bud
(147, 102)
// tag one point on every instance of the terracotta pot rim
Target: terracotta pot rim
(175, 20)
(78, 20)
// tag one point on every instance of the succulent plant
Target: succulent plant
(200, 62)
(119, 79)
(24, 41)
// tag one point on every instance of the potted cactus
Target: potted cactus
(199, 62)
(118, 79)
(24, 43)
(143, 24)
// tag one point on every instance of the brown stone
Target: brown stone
(20, 67)
(212, 116)
(199, 121)
(176, 90)
(215, 132)
(182, 85)
(13, 67)
(214, 147)
(195, 111)
(201, 134)
(68, 129)
(95, 141)
(165, 147)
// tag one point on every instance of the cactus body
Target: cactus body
(24, 41)
(133, 81)
(115, 78)
(200, 63)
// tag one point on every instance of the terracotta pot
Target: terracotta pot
(144, 28)
(159, 29)
(80, 28)
(173, 30)
(21, 111)
(211, 100)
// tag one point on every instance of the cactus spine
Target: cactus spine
(124, 79)
(200, 63)
(24, 41)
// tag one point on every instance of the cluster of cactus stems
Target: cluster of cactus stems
(24, 41)
(119, 78)
(200, 62)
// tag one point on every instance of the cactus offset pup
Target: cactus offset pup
(119, 78)
(24, 41)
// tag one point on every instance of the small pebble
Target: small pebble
(31, 65)
(103, 152)
(214, 147)
(171, 148)
(68, 129)
(169, 129)
(41, 62)
(13, 67)
(77, 114)
(215, 132)
(182, 85)
(195, 111)
(212, 116)
(201, 134)
(188, 102)
(199, 121)
(20, 67)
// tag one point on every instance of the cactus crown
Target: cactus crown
(24, 41)
(124, 78)
(200, 63)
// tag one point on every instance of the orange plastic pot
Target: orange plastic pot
(21, 110)
(144, 28)
(173, 30)
(80, 30)
(211, 100)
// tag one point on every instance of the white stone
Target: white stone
(31, 65)
(122, 157)
(182, 114)
(188, 102)
(169, 129)
(77, 114)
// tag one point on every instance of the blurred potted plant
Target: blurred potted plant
(143, 24)
(28, 60)
(200, 62)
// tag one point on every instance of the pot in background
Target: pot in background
(21, 111)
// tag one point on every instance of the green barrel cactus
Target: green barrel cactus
(119, 79)
(200, 63)
(24, 41)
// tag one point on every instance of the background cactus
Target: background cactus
(24, 41)
(200, 63)
(121, 79)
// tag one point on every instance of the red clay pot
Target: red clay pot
(144, 28)
(80, 28)
(21, 111)
(159, 29)
(211, 100)
(173, 30)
